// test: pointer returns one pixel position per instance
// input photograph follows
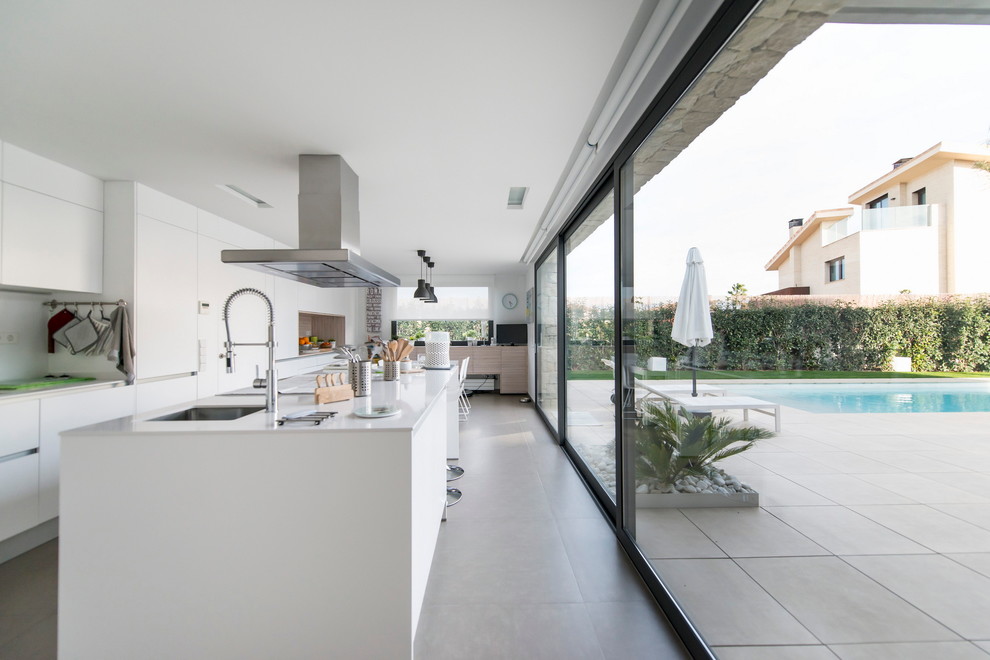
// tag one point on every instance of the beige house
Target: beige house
(924, 227)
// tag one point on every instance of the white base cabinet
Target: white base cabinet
(18, 494)
(62, 413)
(18, 467)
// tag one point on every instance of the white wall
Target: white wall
(897, 259)
(22, 313)
(971, 229)
(503, 284)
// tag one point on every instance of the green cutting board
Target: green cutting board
(39, 382)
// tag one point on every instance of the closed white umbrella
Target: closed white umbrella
(693, 317)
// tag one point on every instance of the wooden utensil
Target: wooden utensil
(405, 352)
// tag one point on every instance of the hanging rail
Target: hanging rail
(75, 303)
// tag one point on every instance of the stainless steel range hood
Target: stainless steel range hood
(329, 233)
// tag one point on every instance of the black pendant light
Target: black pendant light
(433, 294)
(421, 292)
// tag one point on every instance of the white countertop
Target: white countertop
(413, 394)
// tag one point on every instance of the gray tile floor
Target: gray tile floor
(525, 566)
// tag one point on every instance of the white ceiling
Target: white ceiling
(438, 105)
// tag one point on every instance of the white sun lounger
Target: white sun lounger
(744, 403)
(668, 387)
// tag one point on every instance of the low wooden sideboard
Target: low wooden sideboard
(509, 363)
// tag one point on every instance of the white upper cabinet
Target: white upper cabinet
(27, 170)
(51, 227)
(165, 304)
(153, 204)
(49, 243)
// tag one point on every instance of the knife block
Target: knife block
(333, 393)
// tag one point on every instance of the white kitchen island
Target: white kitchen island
(240, 539)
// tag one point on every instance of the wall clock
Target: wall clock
(509, 301)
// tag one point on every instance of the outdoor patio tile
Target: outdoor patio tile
(977, 514)
(910, 651)
(741, 466)
(846, 605)
(752, 532)
(847, 490)
(908, 461)
(789, 463)
(929, 527)
(859, 442)
(743, 614)
(921, 489)
(956, 444)
(668, 534)
(798, 443)
(845, 532)
(816, 430)
(817, 652)
(954, 595)
(978, 561)
(972, 482)
(977, 461)
(850, 463)
(775, 490)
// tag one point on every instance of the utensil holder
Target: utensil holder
(360, 376)
(391, 370)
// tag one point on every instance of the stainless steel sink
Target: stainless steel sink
(208, 413)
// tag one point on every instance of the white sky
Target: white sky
(831, 117)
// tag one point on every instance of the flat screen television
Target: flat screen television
(511, 334)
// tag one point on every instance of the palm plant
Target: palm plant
(673, 443)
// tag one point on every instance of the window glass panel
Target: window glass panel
(832, 357)
(546, 338)
(590, 340)
(454, 302)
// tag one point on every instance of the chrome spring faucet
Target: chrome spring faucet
(270, 382)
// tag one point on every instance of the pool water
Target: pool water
(885, 397)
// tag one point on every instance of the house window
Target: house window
(836, 269)
(920, 197)
(879, 203)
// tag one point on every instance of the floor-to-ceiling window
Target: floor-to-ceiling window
(589, 335)
(547, 282)
(851, 520)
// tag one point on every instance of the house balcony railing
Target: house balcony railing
(840, 229)
(899, 217)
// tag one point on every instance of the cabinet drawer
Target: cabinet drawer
(18, 495)
(19, 428)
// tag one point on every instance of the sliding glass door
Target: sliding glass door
(547, 362)
(589, 367)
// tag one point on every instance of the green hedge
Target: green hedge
(938, 335)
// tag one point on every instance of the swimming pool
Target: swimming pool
(881, 397)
